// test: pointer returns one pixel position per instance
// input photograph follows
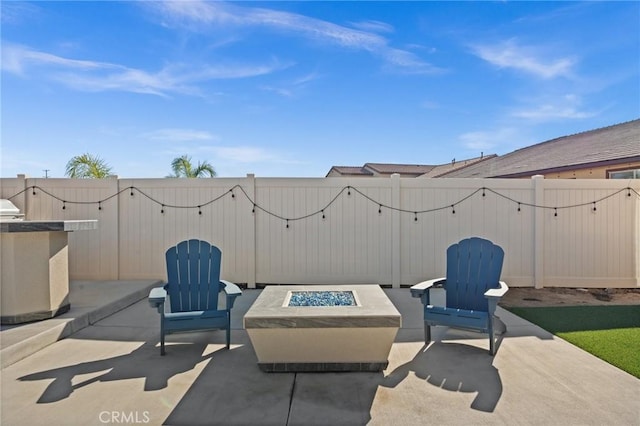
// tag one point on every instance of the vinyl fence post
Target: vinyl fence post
(251, 252)
(395, 231)
(538, 231)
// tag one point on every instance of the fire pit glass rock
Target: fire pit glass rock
(321, 298)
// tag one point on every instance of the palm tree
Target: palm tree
(87, 166)
(182, 167)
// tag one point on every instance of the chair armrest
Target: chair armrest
(497, 293)
(157, 296)
(232, 291)
(419, 289)
(230, 288)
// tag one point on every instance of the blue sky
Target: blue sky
(290, 89)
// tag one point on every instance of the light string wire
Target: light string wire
(348, 189)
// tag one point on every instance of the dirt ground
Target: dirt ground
(552, 296)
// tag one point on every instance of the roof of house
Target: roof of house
(402, 169)
(350, 171)
(443, 169)
(405, 170)
(610, 145)
(371, 169)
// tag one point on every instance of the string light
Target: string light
(321, 211)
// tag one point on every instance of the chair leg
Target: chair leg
(228, 329)
(162, 352)
(427, 332)
(492, 343)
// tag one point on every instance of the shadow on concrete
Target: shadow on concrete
(143, 362)
(454, 367)
(231, 390)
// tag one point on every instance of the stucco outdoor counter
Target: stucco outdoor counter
(35, 268)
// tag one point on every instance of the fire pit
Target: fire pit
(322, 328)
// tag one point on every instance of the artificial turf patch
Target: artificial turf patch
(611, 333)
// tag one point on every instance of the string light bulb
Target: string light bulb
(162, 209)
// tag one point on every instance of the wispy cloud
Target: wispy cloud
(204, 144)
(179, 135)
(17, 59)
(244, 154)
(200, 15)
(94, 76)
(373, 26)
(530, 59)
(489, 139)
(560, 108)
(17, 13)
(291, 89)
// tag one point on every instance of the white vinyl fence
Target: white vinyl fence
(559, 233)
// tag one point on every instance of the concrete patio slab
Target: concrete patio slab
(111, 372)
(90, 301)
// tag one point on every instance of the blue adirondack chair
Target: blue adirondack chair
(193, 284)
(473, 289)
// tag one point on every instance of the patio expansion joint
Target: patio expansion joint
(293, 389)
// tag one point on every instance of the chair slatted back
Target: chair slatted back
(474, 265)
(193, 276)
